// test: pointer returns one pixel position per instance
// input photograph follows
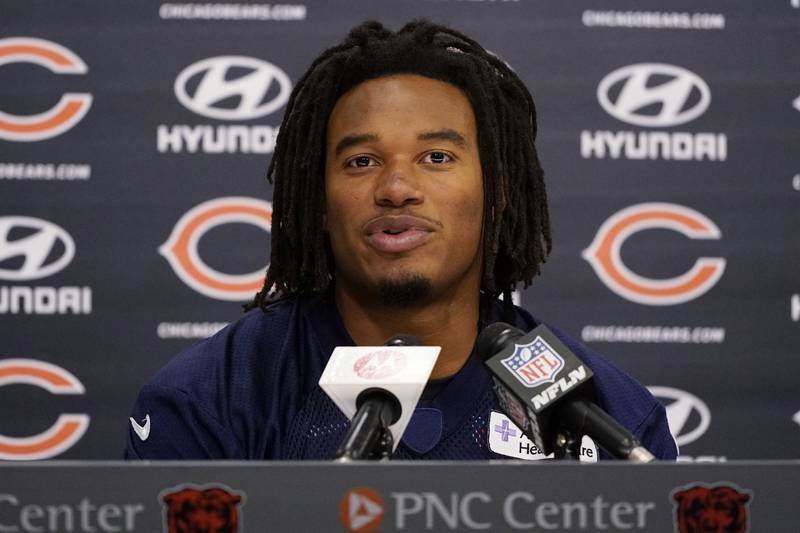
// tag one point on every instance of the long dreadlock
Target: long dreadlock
(516, 235)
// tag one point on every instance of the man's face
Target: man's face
(404, 189)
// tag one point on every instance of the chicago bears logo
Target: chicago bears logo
(604, 254)
(69, 110)
(721, 508)
(207, 508)
(181, 249)
(65, 431)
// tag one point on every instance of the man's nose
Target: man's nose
(398, 185)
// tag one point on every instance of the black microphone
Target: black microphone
(377, 409)
(549, 393)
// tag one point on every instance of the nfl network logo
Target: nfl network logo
(534, 363)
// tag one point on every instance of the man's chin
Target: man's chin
(406, 291)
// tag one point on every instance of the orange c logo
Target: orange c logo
(181, 247)
(66, 113)
(604, 254)
(66, 431)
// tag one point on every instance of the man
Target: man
(408, 196)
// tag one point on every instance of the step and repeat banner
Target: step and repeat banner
(135, 215)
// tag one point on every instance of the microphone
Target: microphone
(377, 387)
(549, 393)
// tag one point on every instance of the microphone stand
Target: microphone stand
(580, 417)
(369, 437)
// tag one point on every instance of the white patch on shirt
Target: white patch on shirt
(506, 439)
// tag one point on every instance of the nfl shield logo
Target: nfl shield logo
(534, 363)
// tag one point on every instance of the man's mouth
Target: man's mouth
(395, 234)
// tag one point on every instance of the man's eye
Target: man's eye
(437, 158)
(360, 161)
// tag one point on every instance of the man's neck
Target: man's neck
(450, 322)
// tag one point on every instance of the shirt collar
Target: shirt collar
(448, 410)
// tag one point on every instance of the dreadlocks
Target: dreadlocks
(516, 235)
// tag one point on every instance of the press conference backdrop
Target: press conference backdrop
(135, 216)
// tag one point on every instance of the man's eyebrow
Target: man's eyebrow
(352, 140)
(444, 135)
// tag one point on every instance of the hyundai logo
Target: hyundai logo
(212, 88)
(680, 406)
(38, 247)
(654, 95)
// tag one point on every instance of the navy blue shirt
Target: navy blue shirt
(251, 392)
